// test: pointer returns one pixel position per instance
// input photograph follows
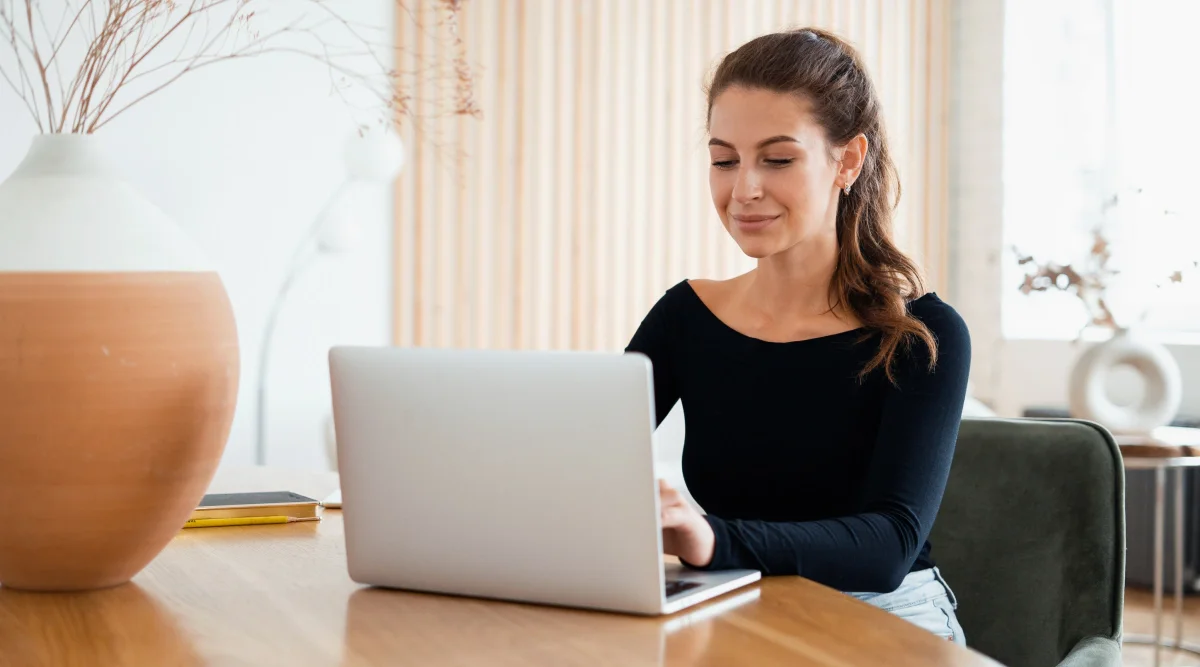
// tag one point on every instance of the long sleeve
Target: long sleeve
(872, 550)
(653, 339)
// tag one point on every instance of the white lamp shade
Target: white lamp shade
(374, 156)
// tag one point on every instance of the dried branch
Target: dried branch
(37, 59)
(19, 90)
(50, 62)
(1090, 284)
(129, 54)
(463, 79)
(138, 59)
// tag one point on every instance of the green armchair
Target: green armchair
(1031, 538)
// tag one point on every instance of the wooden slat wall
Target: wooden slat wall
(559, 217)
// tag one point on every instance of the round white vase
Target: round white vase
(1156, 366)
(119, 370)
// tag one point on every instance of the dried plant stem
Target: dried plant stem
(16, 41)
(37, 59)
(1090, 284)
(192, 67)
(123, 64)
(105, 101)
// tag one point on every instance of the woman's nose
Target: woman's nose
(747, 187)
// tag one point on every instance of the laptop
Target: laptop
(514, 475)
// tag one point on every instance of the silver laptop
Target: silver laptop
(524, 476)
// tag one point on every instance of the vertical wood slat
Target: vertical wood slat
(673, 218)
(526, 115)
(447, 182)
(544, 190)
(556, 219)
(658, 255)
(712, 242)
(564, 274)
(484, 192)
(621, 144)
(583, 250)
(506, 296)
(421, 231)
(641, 155)
(464, 284)
(607, 170)
(695, 69)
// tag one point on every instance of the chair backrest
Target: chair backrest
(1031, 536)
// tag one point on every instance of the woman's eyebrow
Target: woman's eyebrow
(762, 144)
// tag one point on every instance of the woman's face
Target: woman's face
(772, 177)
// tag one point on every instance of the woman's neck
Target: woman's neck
(795, 283)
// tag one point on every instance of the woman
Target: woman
(823, 390)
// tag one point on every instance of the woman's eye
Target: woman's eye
(724, 164)
(780, 162)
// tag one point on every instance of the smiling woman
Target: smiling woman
(823, 388)
(820, 148)
(558, 217)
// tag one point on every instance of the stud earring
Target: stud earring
(847, 188)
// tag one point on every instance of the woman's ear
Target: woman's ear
(854, 154)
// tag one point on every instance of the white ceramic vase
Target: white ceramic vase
(1153, 362)
(118, 372)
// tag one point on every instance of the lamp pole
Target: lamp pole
(306, 252)
(371, 159)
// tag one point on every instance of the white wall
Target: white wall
(243, 155)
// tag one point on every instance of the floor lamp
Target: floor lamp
(372, 159)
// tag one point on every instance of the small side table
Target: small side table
(1166, 448)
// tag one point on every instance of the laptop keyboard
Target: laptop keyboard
(676, 586)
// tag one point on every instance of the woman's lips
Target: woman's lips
(753, 222)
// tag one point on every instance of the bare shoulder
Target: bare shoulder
(716, 293)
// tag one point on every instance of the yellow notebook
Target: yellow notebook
(259, 504)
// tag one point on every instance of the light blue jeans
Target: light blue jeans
(925, 600)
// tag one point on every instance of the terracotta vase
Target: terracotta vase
(118, 372)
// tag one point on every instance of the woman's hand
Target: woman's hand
(685, 532)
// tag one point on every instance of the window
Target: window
(1099, 108)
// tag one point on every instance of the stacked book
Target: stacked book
(248, 509)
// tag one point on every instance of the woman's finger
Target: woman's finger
(668, 495)
(673, 516)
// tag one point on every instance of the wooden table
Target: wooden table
(280, 595)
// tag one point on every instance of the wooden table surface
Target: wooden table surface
(280, 595)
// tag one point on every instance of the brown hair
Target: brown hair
(873, 278)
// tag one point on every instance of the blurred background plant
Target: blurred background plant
(1092, 277)
(78, 65)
